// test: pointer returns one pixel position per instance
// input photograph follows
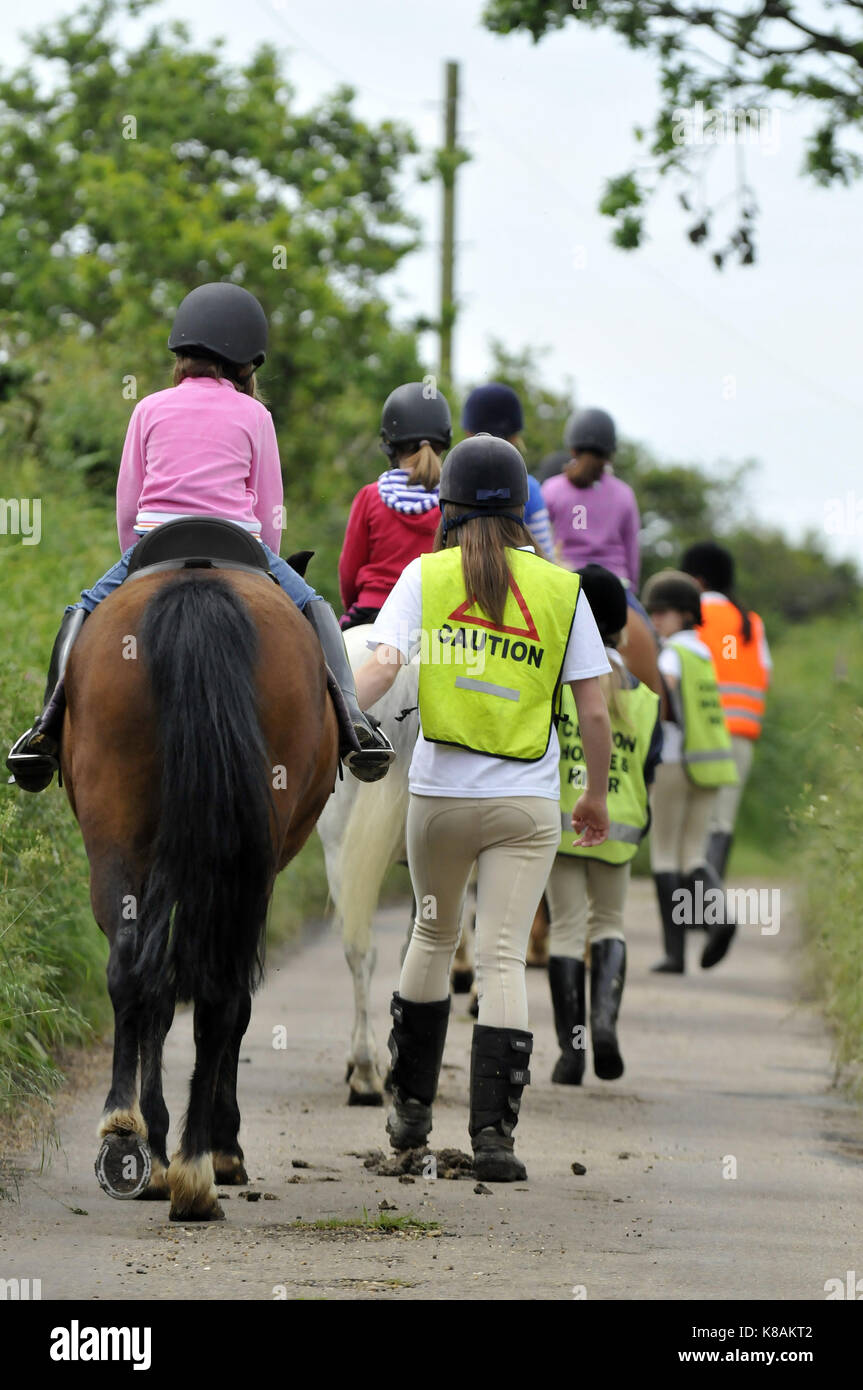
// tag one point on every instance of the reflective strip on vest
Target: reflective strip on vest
(474, 672)
(486, 688)
(752, 691)
(739, 712)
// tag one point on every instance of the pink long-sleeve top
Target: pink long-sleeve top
(598, 524)
(200, 449)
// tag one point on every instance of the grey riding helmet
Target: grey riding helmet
(592, 430)
(223, 320)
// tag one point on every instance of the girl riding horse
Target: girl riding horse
(204, 447)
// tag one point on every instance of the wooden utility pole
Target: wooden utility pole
(448, 163)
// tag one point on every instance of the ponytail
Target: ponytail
(484, 564)
(422, 466)
(745, 619)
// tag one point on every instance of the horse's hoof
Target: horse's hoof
(123, 1166)
(462, 981)
(213, 1213)
(365, 1097)
(230, 1170)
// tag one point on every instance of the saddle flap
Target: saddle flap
(199, 538)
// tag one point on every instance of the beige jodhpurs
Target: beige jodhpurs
(513, 841)
(681, 814)
(586, 898)
(728, 798)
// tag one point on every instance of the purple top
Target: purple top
(596, 524)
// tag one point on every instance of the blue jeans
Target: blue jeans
(293, 584)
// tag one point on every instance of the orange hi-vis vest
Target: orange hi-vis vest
(741, 676)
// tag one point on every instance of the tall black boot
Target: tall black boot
(566, 981)
(607, 975)
(363, 748)
(35, 756)
(672, 932)
(416, 1047)
(719, 934)
(498, 1075)
(718, 849)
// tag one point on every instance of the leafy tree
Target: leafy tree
(137, 173)
(736, 60)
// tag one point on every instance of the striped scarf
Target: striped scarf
(395, 491)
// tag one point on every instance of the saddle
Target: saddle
(198, 543)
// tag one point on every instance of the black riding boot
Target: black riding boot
(416, 1047)
(672, 932)
(718, 850)
(35, 756)
(362, 746)
(719, 934)
(498, 1075)
(607, 974)
(566, 981)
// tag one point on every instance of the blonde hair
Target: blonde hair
(423, 466)
(484, 564)
(241, 378)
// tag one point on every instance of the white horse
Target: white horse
(362, 829)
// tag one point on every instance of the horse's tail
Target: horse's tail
(204, 904)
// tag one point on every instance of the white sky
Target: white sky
(655, 336)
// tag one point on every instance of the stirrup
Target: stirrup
(370, 762)
(30, 771)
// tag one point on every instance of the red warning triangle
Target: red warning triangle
(461, 614)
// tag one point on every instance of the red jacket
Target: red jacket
(379, 542)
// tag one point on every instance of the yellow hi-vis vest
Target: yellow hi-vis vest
(627, 791)
(707, 757)
(492, 689)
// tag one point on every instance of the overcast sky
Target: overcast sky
(762, 362)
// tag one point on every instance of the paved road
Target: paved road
(721, 1065)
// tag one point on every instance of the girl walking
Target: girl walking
(587, 887)
(499, 630)
(204, 447)
(736, 640)
(696, 761)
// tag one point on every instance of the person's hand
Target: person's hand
(590, 820)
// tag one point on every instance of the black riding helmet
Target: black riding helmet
(486, 474)
(412, 413)
(223, 320)
(710, 562)
(607, 598)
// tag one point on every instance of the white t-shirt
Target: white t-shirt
(669, 665)
(438, 770)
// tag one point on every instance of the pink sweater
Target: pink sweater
(201, 449)
(596, 525)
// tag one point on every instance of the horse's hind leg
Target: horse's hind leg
(364, 1077)
(155, 1021)
(227, 1155)
(191, 1176)
(122, 1113)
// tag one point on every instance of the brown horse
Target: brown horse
(199, 748)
